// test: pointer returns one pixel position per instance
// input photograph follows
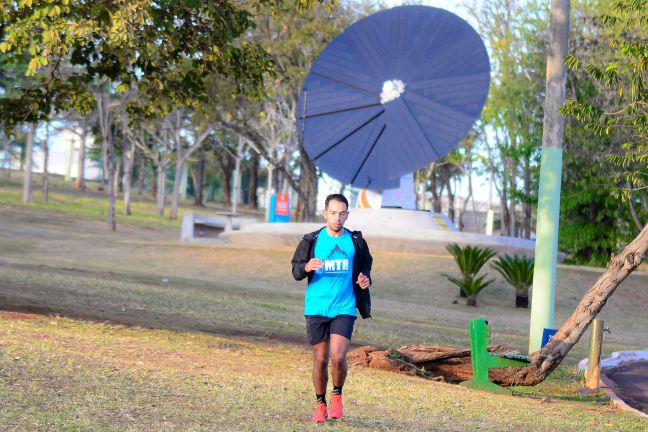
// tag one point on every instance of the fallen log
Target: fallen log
(434, 362)
(454, 365)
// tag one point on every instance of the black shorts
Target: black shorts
(319, 327)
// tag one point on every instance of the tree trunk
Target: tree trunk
(471, 300)
(633, 211)
(141, 174)
(253, 200)
(154, 180)
(175, 194)
(179, 169)
(27, 179)
(227, 166)
(104, 165)
(464, 205)
(419, 189)
(436, 194)
(80, 180)
(112, 199)
(543, 362)
(129, 158)
(108, 143)
(528, 208)
(451, 195)
(521, 298)
(268, 192)
(199, 180)
(307, 201)
(117, 177)
(161, 189)
(237, 175)
(45, 147)
(513, 228)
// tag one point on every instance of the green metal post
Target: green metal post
(546, 247)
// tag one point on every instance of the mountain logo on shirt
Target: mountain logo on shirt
(337, 261)
(338, 253)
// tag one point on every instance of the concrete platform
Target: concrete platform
(394, 230)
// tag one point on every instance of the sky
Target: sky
(449, 5)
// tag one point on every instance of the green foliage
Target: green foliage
(593, 222)
(513, 110)
(625, 80)
(164, 49)
(470, 260)
(517, 270)
(472, 286)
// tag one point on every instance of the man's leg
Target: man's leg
(339, 348)
(320, 366)
(320, 379)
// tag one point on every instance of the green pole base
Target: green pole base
(486, 386)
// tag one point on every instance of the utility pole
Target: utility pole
(546, 246)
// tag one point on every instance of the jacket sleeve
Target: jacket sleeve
(299, 260)
(365, 266)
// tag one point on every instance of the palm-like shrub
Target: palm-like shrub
(518, 271)
(470, 260)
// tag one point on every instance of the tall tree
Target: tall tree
(294, 40)
(140, 44)
(29, 160)
(593, 222)
(633, 14)
(513, 111)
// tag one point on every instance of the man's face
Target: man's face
(335, 215)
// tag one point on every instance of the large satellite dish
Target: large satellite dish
(394, 92)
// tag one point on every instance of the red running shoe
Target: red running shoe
(320, 414)
(336, 407)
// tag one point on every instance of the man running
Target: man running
(337, 263)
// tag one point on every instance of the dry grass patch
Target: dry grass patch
(61, 374)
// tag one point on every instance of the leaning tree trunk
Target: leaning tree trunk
(307, 201)
(543, 362)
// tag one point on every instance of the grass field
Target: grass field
(135, 331)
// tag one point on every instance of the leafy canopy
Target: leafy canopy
(164, 49)
(629, 79)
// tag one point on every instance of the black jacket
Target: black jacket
(362, 261)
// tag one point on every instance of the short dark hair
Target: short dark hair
(336, 197)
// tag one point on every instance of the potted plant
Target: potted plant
(470, 260)
(518, 271)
